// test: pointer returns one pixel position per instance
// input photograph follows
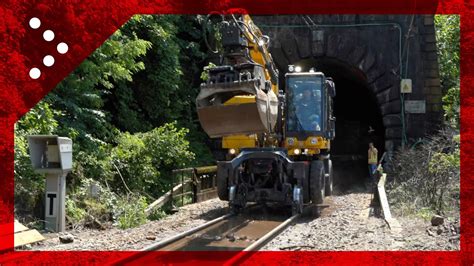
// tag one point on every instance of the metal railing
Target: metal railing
(189, 185)
(199, 182)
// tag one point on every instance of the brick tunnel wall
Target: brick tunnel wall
(369, 48)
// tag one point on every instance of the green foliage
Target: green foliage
(166, 90)
(441, 162)
(448, 37)
(80, 97)
(452, 107)
(162, 92)
(39, 120)
(426, 178)
(29, 186)
(425, 213)
(205, 72)
(75, 215)
(93, 203)
(90, 202)
(131, 211)
(203, 155)
(80, 94)
(142, 80)
(145, 160)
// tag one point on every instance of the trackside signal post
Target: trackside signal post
(52, 155)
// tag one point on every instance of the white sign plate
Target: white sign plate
(415, 107)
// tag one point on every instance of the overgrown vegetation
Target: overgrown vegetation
(146, 160)
(448, 44)
(96, 206)
(426, 176)
(129, 109)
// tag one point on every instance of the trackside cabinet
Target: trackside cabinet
(52, 156)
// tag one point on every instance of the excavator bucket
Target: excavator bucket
(233, 108)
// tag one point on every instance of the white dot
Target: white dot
(35, 73)
(35, 23)
(48, 60)
(48, 35)
(62, 48)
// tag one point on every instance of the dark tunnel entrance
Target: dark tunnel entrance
(358, 121)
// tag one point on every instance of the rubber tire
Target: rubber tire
(328, 188)
(305, 184)
(316, 182)
(297, 209)
(222, 184)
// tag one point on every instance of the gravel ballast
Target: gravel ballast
(346, 223)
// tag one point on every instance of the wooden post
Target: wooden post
(392, 222)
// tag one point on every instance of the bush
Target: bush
(90, 204)
(75, 215)
(131, 211)
(93, 205)
(427, 177)
(452, 107)
(145, 160)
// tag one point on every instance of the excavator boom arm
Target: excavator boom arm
(240, 96)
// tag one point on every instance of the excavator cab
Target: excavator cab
(309, 121)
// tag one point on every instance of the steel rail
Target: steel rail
(244, 254)
(179, 236)
(142, 252)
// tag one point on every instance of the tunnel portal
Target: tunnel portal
(367, 56)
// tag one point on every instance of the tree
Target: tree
(166, 89)
(80, 99)
(447, 35)
(142, 80)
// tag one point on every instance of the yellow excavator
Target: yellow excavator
(277, 137)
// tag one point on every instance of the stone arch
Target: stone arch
(379, 52)
(351, 48)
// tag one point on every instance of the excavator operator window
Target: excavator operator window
(304, 103)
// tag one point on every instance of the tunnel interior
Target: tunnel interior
(358, 121)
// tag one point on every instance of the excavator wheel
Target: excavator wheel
(297, 206)
(222, 184)
(316, 182)
(305, 184)
(328, 176)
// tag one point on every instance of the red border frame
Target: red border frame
(84, 25)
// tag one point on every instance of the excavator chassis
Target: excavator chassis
(263, 175)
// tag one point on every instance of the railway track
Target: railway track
(247, 231)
